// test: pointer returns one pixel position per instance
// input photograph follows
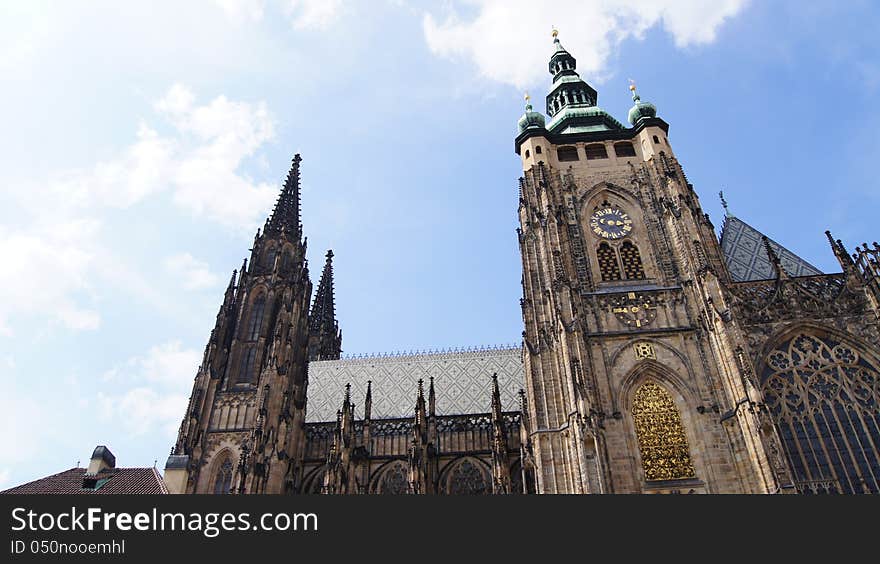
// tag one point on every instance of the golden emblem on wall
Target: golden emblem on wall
(644, 350)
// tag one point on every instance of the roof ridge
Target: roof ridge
(433, 351)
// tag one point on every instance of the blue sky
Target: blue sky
(143, 146)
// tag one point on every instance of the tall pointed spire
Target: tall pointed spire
(325, 339)
(285, 216)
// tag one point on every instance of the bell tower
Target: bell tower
(630, 351)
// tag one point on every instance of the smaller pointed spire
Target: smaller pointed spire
(325, 339)
(724, 204)
(774, 258)
(432, 399)
(496, 397)
(368, 401)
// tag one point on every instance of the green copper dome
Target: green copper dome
(531, 119)
(641, 109)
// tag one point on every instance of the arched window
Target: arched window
(527, 153)
(223, 480)
(567, 154)
(256, 320)
(656, 140)
(632, 262)
(248, 355)
(394, 480)
(538, 150)
(608, 263)
(662, 441)
(624, 149)
(825, 400)
(466, 478)
(596, 151)
(269, 259)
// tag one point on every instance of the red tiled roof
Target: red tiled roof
(118, 481)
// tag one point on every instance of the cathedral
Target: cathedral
(656, 355)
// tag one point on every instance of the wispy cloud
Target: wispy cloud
(508, 40)
(158, 386)
(192, 273)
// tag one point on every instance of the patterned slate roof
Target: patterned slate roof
(462, 382)
(118, 481)
(747, 258)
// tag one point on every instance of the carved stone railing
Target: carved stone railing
(821, 296)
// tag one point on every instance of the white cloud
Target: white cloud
(59, 254)
(192, 273)
(314, 14)
(509, 40)
(4, 477)
(161, 383)
(199, 164)
(242, 10)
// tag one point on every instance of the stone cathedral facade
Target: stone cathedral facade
(656, 356)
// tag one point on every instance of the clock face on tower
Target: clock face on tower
(610, 223)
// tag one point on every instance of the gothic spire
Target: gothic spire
(285, 216)
(325, 341)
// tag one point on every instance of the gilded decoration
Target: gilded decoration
(662, 442)
(644, 351)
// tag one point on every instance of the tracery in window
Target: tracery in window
(825, 400)
(632, 262)
(223, 481)
(246, 373)
(662, 440)
(466, 478)
(394, 480)
(256, 319)
(608, 265)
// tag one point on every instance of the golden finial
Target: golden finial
(554, 33)
(527, 97)
(632, 85)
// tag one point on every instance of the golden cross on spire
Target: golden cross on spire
(555, 32)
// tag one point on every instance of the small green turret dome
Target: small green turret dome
(640, 109)
(531, 119)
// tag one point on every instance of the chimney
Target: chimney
(102, 459)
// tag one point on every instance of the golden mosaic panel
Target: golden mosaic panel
(662, 441)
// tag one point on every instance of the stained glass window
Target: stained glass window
(256, 319)
(466, 478)
(395, 480)
(662, 441)
(825, 399)
(223, 482)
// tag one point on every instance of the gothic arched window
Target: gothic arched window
(632, 262)
(662, 441)
(256, 320)
(248, 355)
(825, 400)
(394, 480)
(608, 265)
(466, 478)
(223, 481)
(269, 261)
